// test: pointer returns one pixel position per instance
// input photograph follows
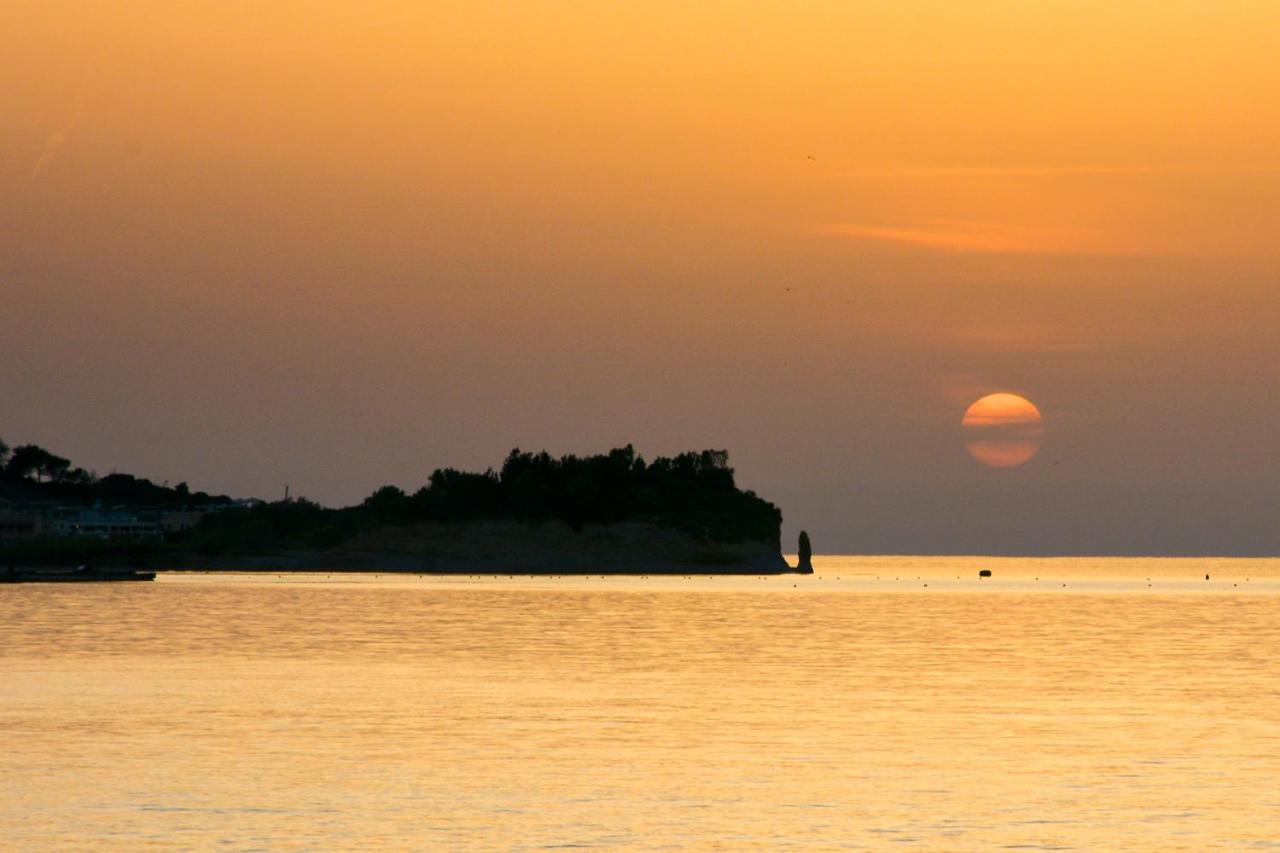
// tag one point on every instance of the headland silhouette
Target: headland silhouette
(607, 513)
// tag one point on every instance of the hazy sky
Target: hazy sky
(337, 245)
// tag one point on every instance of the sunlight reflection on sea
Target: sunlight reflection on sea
(856, 708)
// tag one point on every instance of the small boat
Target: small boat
(79, 574)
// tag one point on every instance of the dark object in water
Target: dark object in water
(805, 563)
(984, 573)
(80, 574)
(1206, 577)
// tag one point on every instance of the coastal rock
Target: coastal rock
(806, 554)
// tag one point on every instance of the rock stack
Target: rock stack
(806, 555)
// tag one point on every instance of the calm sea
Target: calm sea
(883, 703)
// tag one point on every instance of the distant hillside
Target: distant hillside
(538, 512)
(31, 474)
(693, 492)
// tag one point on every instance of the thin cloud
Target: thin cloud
(1004, 427)
(1049, 171)
(1020, 338)
(52, 143)
(978, 237)
(55, 140)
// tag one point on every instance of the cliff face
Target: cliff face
(509, 547)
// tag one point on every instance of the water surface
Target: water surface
(885, 702)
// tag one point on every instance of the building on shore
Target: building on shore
(33, 521)
(17, 524)
(99, 523)
(178, 520)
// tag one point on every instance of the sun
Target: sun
(1002, 430)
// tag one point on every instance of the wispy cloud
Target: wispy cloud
(979, 237)
(1049, 171)
(55, 140)
(52, 143)
(1004, 427)
(1021, 337)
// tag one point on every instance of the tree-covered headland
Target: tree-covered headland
(692, 492)
(31, 474)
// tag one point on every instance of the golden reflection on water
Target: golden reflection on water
(847, 709)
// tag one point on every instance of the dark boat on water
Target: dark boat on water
(79, 574)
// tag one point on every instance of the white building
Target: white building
(104, 524)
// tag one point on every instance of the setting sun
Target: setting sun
(485, 425)
(1002, 430)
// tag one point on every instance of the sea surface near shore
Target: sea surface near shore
(1082, 703)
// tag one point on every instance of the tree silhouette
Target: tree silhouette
(694, 491)
(30, 459)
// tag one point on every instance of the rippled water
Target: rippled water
(884, 702)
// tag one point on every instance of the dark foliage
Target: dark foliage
(268, 526)
(31, 473)
(694, 492)
(30, 461)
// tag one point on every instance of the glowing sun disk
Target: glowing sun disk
(1002, 430)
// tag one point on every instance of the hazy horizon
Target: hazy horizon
(340, 247)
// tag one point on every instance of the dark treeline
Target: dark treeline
(31, 473)
(693, 491)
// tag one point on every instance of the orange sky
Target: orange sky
(340, 244)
